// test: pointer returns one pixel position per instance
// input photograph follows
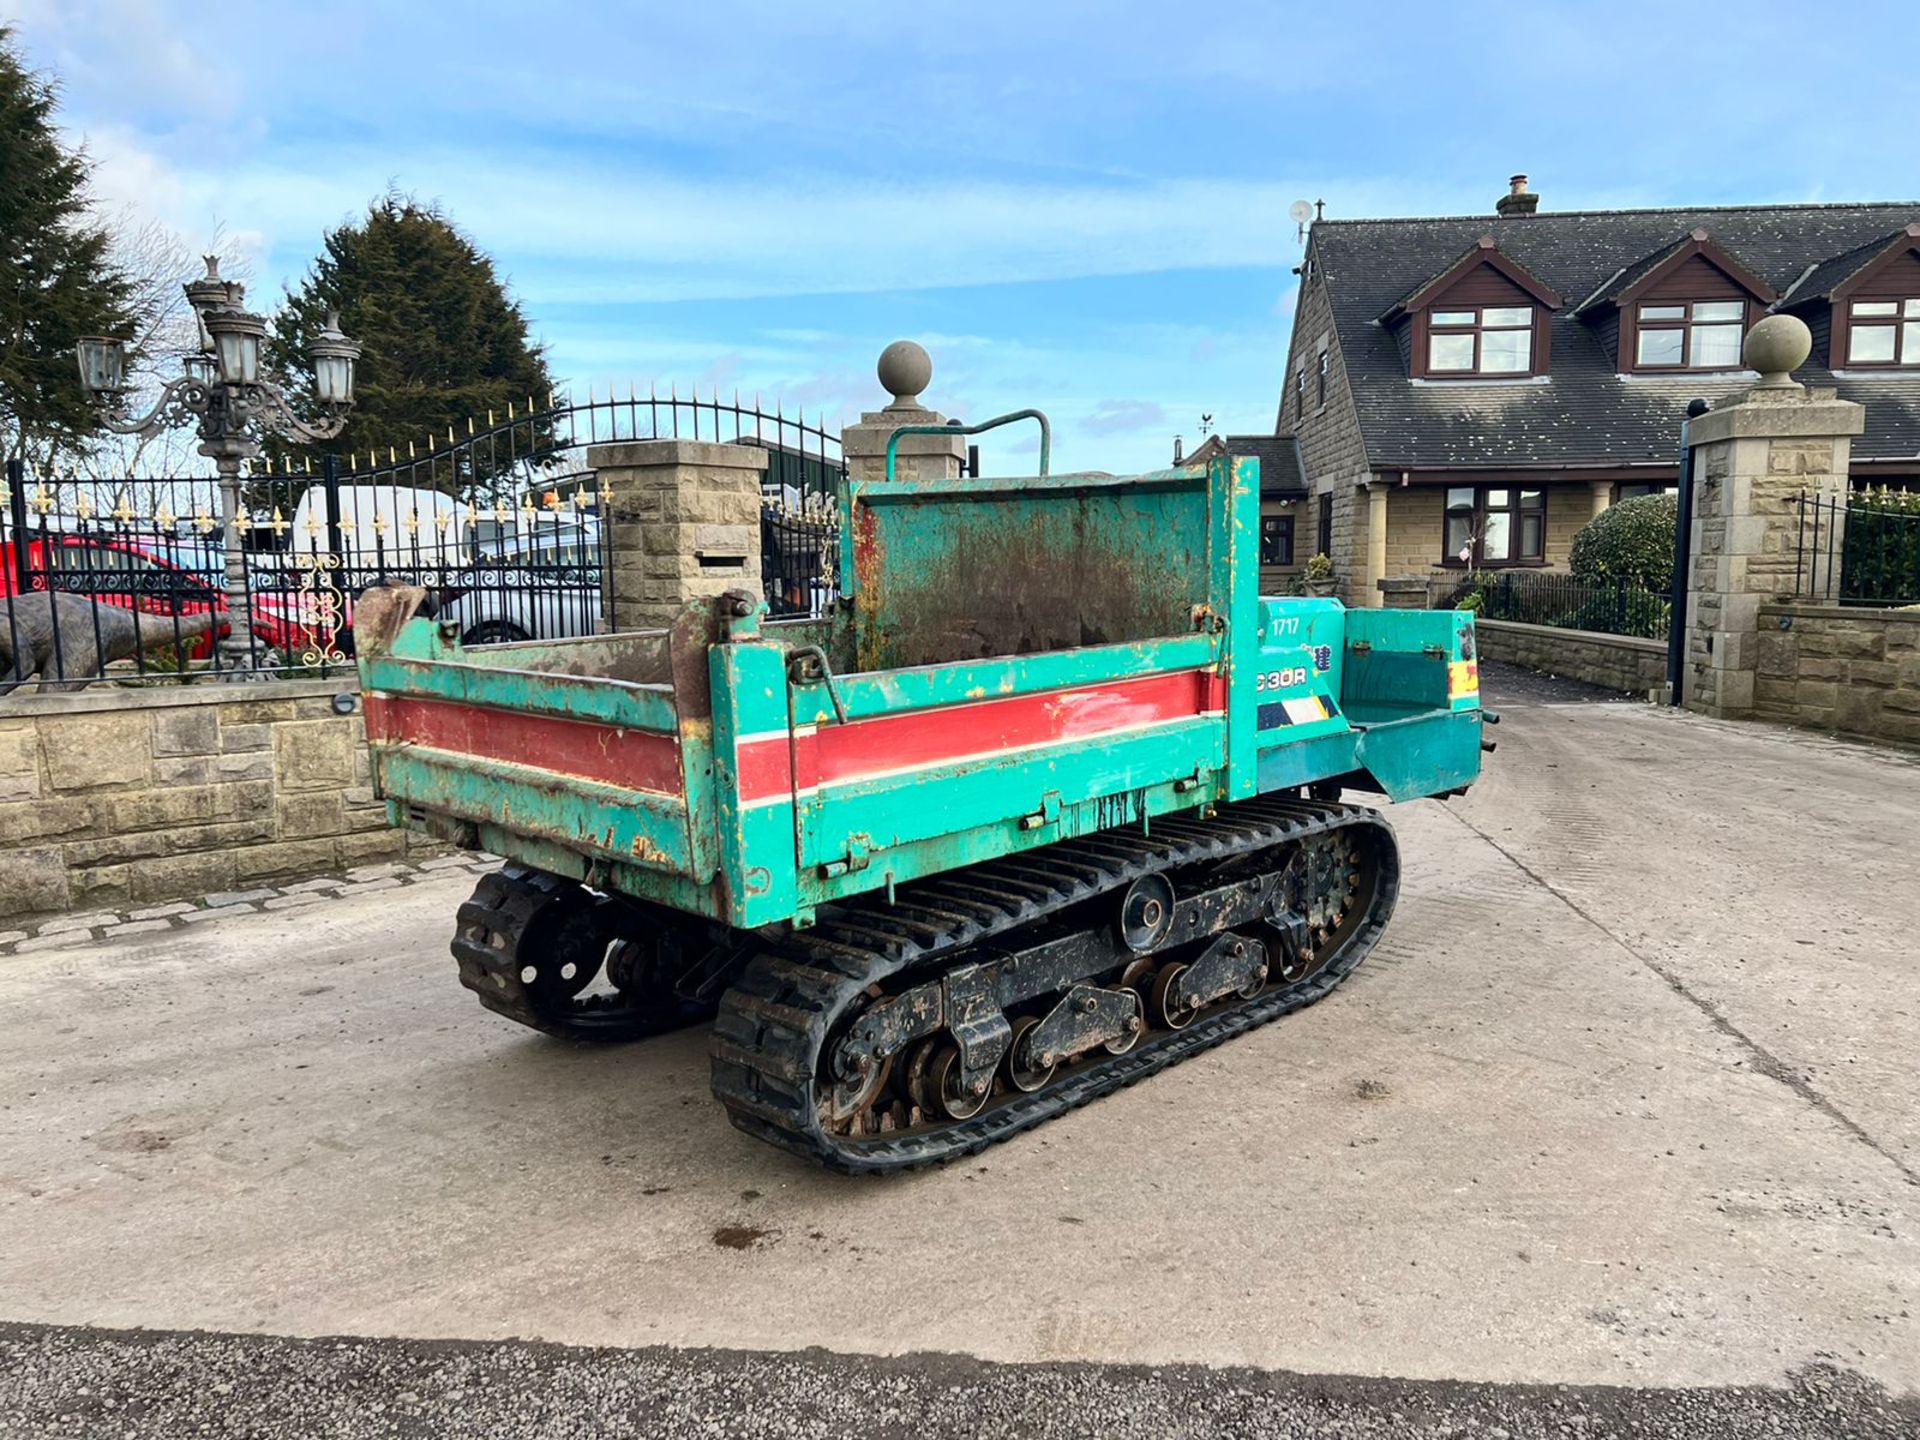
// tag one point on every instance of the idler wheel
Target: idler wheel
(1166, 1011)
(1022, 1073)
(1121, 1044)
(919, 1077)
(1146, 913)
(949, 1091)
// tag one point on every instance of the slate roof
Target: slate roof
(1584, 414)
(1282, 476)
(1828, 275)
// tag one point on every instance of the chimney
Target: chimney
(1518, 200)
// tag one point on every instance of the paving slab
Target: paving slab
(1559, 1129)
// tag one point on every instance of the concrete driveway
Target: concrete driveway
(1625, 1098)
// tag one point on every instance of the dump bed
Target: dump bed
(1014, 662)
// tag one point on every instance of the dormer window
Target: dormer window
(1686, 307)
(1702, 335)
(1482, 318)
(1489, 340)
(1883, 332)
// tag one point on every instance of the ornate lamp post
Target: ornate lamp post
(222, 394)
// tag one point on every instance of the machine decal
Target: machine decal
(1303, 710)
(1280, 679)
(1463, 678)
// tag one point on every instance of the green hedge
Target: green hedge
(1881, 558)
(1631, 541)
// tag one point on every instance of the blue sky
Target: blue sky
(1076, 206)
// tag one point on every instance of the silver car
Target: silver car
(538, 583)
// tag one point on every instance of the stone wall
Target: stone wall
(1852, 670)
(1569, 508)
(1618, 662)
(1414, 530)
(111, 797)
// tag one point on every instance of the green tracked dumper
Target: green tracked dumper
(1052, 800)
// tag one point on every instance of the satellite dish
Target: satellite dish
(1300, 212)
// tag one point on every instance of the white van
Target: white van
(542, 583)
(397, 528)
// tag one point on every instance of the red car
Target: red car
(157, 577)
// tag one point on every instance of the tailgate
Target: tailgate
(588, 764)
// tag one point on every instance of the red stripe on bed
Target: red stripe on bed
(632, 759)
(836, 754)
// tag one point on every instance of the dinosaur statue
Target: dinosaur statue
(69, 640)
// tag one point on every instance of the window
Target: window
(1634, 492)
(1326, 364)
(1300, 391)
(1495, 525)
(1884, 332)
(1704, 335)
(1276, 539)
(1323, 540)
(1493, 340)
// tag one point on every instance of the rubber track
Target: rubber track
(503, 906)
(774, 1024)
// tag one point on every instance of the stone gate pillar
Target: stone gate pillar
(1752, 460)
(684, 517)
(905, 370)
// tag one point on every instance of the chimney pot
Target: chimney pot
(1518, 200)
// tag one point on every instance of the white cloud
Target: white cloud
(1123, 417)
(569, 233)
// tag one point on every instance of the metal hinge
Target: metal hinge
(1047, 814)
(859, 852)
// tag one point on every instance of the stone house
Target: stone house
(1471, 390)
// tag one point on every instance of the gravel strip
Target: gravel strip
(78, 1382)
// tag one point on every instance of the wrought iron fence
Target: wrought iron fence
(503, 524)
(799, 557)
(1544, 597)
(1861, 550)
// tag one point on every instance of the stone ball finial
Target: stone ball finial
(1776, 347)
(905, 369)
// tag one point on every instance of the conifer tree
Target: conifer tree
(444, 343)
(57, 277)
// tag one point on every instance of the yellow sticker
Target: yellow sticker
(1463, 678)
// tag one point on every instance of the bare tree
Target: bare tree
(157, 260)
